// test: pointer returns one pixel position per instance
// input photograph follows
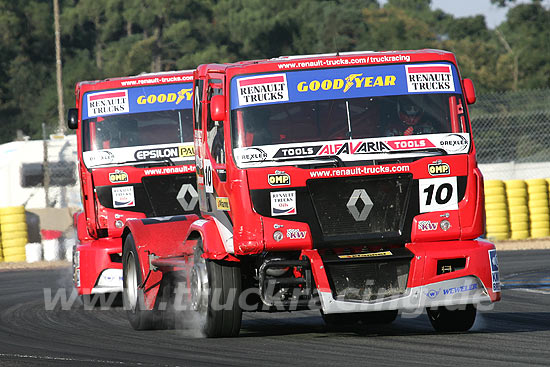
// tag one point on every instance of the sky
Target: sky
(465, 8)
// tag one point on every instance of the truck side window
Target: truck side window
(214, 129)
(198, 106)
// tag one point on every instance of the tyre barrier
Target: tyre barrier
(517, 209)
(539, 208)
(496, 210)
(13, 234)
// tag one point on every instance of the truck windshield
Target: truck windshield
(336, 119)
(348, 112)
(134, 125)
(139, 129)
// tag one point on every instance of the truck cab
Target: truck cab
(344, 182)
(136, 160)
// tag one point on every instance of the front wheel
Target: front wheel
(445, 320)
(215, 291)
(133, 297)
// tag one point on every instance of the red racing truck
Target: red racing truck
(136, 160)
(343, 182)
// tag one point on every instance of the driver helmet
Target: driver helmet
(409, 112)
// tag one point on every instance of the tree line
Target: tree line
(106, 38)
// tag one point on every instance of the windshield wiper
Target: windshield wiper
(333, 158)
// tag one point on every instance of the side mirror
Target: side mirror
(217, 108)
(469, 91)
(72, 118)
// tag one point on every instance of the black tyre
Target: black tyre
(133, 297)
(445, 320)
(215, 290)
(360, 318)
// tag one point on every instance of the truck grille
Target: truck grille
(368, 280)
(361, 205)
(162, 192)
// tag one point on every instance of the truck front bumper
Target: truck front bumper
(476, 283)
(97, 266)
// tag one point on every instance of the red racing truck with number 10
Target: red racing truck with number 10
(343, 182)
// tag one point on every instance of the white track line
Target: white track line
(50, 358)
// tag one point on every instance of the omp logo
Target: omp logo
(351, 81)
(438, 169)
(118, 176)
(278, 178)
(183, 94)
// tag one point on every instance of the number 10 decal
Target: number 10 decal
(437, 194)
(208, 185)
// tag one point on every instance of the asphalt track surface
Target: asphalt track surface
(515, 332)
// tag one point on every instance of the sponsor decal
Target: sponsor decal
(123, 197)
(433, 293)
(426, 225)
(297, 151)
(295, 234)
(429, 78)
(186, 151)
(283, 203)
(439, 169)
(410, 144)
(453, 143)
(438, 194)
(167, 152)
(358, 147)
(356, 80)
(99, 157)
(262, 89)
(279, 178)
(184, 94)
(253, 155)
(118, 176)
(108, 103)
(370, 254)
(137, 100)
(343, 82)
(493, 261)
(222, 204)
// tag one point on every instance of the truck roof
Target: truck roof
(338, 59)
(166, 77)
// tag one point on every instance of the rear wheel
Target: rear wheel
(215, 291)
(133, 297)
(444, 320)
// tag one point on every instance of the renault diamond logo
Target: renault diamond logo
(359, 194)
(187, 191)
